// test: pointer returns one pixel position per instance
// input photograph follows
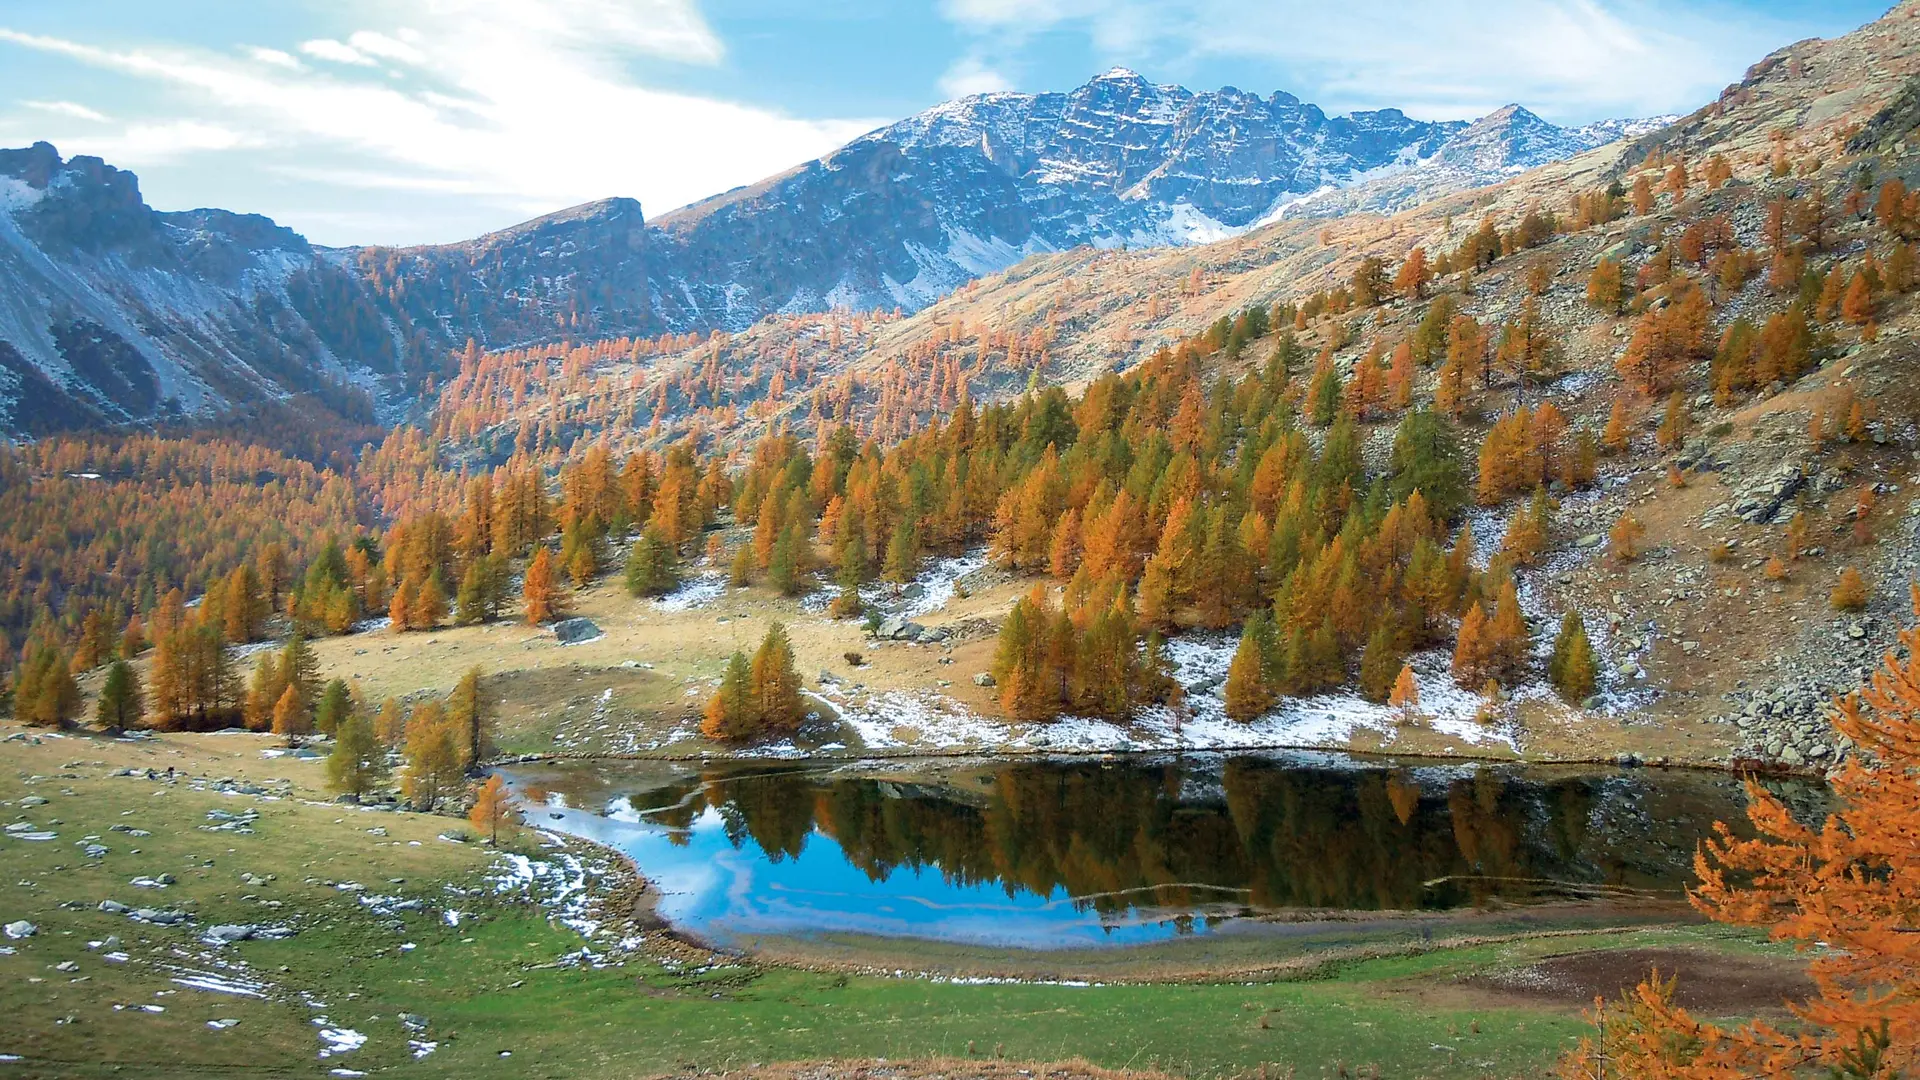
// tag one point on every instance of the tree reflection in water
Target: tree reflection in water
(1252, 832)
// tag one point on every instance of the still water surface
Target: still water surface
(1053, 854)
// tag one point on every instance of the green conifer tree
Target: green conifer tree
(1571, 668)
(358, 763)
(335, 706)
(1248, 692)
(121, 701)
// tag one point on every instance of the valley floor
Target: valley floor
(371, 942)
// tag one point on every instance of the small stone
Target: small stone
(983, 678)
(21, 929)
(227, 933)
(66, 965)
(113, 907)
(1591, 540)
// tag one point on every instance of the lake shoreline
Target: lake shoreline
(744, 755)
(1134, 965)
(1292, 930)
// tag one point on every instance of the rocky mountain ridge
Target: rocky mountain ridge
(112, 312)
(115, 313)
(900, 216)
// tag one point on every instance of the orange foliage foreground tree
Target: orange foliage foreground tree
(1851, 886)
(494, 805)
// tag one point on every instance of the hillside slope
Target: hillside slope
(1754, 499)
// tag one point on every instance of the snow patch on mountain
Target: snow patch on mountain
(16, 194)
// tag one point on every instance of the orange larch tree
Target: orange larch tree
(1849, 888)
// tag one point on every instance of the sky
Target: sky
(430, 121)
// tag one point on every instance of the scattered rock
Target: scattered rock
(575, 630)
(227, 933)
(21, 929)
(983, 678)
(114, 907)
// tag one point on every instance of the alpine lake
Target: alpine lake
(1212, 860)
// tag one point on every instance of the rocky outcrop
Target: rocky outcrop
(114, 313)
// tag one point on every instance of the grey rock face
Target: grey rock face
(576, 630)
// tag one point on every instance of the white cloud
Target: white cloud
(338, 52)
(70, 109)
(275, 57)
(970, 75)
(1572, 59)
(373, 43)
(507, 104)
(140, 145)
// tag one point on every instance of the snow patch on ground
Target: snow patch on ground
(933, 588)
(558, 884)
(695, 592)
(221, 985)
(339, 1040)
(939, 580)
(928, 720)
(930, 590)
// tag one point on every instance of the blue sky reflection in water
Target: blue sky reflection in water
(1076, 854)
(720, 892)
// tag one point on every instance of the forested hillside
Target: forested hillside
(1628, 433)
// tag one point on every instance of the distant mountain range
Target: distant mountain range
(112, 312)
